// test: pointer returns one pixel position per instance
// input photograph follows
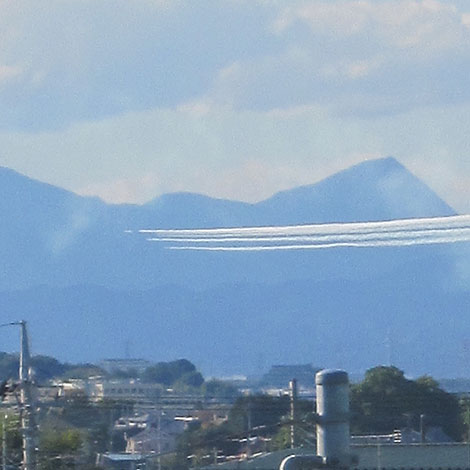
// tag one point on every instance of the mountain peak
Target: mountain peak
(380, 189)
(373, 168)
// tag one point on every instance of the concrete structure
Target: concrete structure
(333, 416)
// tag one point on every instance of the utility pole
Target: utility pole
(4, 443)
(27, 402)
(468, 429)
(422, 428)
(379, 456)
(389, 346)
(293, 412)
(249, 426)
(28, 428)
(159, 439)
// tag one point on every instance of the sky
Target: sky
(238, 99)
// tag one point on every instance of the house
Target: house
(156, 438)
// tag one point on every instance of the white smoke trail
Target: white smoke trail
(372, 244)
(365, 234)
(460, 221)
(323, 238)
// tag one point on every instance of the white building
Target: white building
(123, 389)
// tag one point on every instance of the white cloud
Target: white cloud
(9, 72)
(466, 20)
(362, 57)
(123, 190)
(352, 69)
(83, 60)
(429, 24)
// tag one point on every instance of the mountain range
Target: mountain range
(91, 289)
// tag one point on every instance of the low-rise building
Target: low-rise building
(123, 389)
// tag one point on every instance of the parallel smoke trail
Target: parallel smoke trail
(365, 234)
(320, 238)
(460, 221)
(379, 243)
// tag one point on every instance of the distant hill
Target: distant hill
(69, 267)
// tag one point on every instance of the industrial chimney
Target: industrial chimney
(332, 418)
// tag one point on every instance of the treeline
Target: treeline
(174, 373)
(386, 400)
(180, 374)
(45, 368)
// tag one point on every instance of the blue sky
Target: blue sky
(232, 98)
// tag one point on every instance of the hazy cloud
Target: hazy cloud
(234, 98)
(83, 60)
(362, 57)
(431, 25)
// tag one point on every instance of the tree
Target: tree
(9, 364)
(387, 400)
(45, 367)
(60, 448)
(258, 415)
(68, 441)
(191, 379)
(180, 373)
(219, 389)
(11, 423)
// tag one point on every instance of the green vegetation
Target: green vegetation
(387, 400)
(45, 368)
(219, 389)
(178, 373)
(11, 423)
(261, 416)
(73, 432)
(60, 448)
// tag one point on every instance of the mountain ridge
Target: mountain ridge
(102, 286)
(55, 237)
(380, 167)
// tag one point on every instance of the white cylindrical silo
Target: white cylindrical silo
(333, 415)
